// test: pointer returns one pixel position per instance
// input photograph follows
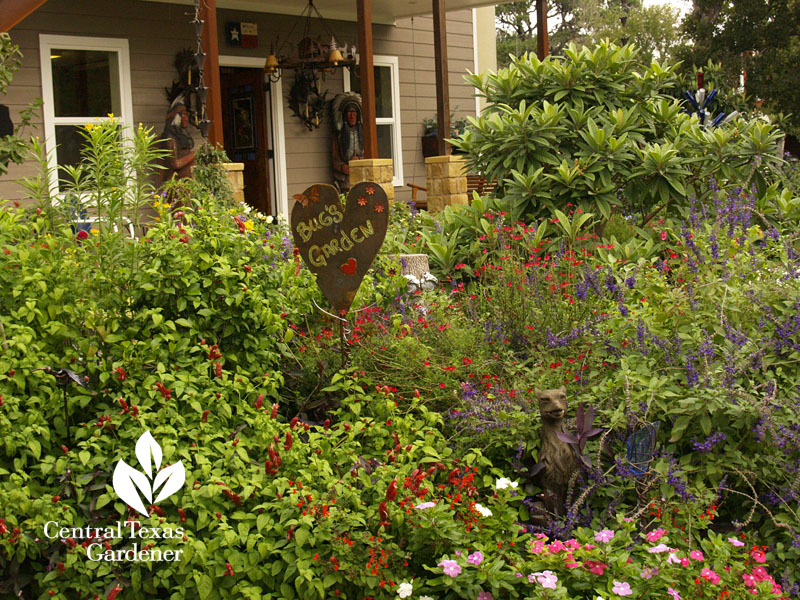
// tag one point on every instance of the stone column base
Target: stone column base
(446, 179)
(374, 170)
(235, 174)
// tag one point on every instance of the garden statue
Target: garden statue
(180, 160)
(348, 137)
(556, 457)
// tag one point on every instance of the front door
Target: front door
(246, 131)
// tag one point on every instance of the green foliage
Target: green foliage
(13, 148)
(209, 171)
(596, 130)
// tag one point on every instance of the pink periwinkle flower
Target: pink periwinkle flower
(595, 566)
(485, 596)
(673, 559)
(658, 549)
(573, 544)
(709, 576)
(605, 535)
(696, 555)
(450, 567)
(622, 588)
(760, 573)
(758, 555)
(675, 595)
(649, 572)
(655, 535)
(475, 558)
(557, 547)
(547, 579)
(749, 580)
(735, 542)
(685, 562)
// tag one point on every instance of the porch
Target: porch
(414, 48)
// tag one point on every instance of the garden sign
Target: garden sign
(338, 243)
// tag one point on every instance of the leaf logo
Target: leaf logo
(130, 483)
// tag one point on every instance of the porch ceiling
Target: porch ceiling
(383, 11)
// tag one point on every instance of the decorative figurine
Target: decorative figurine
(556, 457)
(181, 158)
(348, 137)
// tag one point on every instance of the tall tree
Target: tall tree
(654, 29)
(759, 39)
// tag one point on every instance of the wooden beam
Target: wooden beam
(442, 82)
(542, 41)
(12, 12)
(367, 71)
(211, 73)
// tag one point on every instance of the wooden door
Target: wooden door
(244, 117)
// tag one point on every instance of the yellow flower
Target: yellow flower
(94, 231)
(248, 225)
(89, 126)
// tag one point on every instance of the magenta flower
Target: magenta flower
(485, 596)
(605, 535)
(656, 535)
(696, 555)
(758, 556)
(709, 576)
(622, 588)
(475, 558)
(595, 566)
(450, 567)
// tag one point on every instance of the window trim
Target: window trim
(380, 60)
(47, 43)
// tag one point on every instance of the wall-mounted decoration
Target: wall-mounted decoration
(241, 34)
(305, 99)
(244, 133)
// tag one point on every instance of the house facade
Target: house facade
(87, 59)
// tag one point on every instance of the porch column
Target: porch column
(442, 83)
(542, 42)
(211, 73)
(370, 130)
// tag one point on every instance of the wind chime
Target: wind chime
(199, 88)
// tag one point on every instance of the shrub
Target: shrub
(594, 128)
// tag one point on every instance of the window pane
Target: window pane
(70, 142)
(385, 145)
(383, 89)
(85, 83)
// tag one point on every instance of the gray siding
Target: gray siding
(157, 31)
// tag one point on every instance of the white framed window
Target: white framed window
(83, 79)
(387, 109)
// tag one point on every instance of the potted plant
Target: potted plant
(429, 142)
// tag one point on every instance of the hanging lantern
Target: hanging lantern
(272, 64)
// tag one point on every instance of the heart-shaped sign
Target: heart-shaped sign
(338, 243)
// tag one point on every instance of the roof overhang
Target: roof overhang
(383, 11)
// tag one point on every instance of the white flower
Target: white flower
(405, 590)
(483, 510)
(504, 483)
(270, 219)
(425, 598)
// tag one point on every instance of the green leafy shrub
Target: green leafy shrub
(595, 128)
